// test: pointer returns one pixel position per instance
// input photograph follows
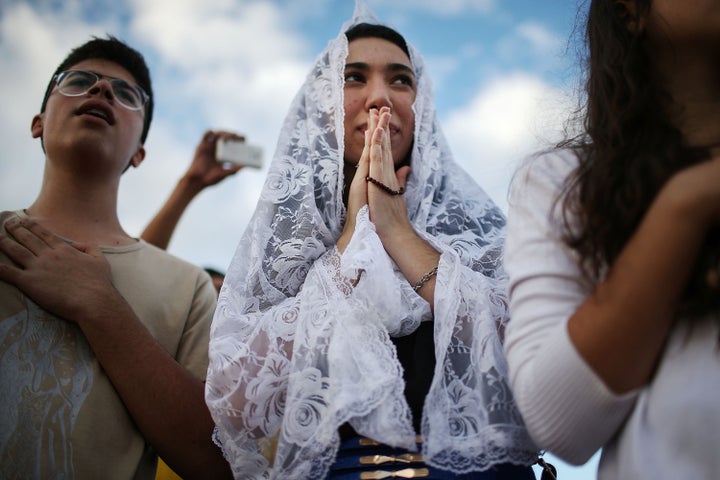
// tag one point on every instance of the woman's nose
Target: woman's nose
(378, 96)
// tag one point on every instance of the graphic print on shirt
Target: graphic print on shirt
(45, 376)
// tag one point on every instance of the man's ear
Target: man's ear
(138, 157)
(627, 10)
(37, 126)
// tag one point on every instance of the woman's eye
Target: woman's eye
(353, 77)
(404, 80)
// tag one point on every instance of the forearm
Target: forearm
(415, 257)
(622, 327)
(165, 401)
(160, 229)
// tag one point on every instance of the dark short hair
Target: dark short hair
(115, 51)
(368, 30)
(214, 272)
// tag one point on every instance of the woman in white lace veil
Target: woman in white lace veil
(308, 331)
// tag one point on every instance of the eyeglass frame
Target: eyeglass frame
(144, 97)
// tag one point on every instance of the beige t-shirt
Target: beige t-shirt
(60, 416)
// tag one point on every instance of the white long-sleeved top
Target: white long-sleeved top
(668, 429)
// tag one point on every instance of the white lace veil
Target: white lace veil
(296, 350)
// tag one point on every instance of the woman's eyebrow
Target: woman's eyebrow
(357, 66)
(400, 67)
(393, 67)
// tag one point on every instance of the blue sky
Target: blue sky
(503, 72)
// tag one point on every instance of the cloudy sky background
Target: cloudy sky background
(503, 70)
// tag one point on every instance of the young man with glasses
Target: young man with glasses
(103, 338)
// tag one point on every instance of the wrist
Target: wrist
(427, 277)
(344, 239)
(103, 303)
(191, 184)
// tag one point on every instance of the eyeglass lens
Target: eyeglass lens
(77, 82)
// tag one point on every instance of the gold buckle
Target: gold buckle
(406, 473)
(380, 459)
(369, 442)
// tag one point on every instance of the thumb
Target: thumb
(363, 166)
(402, 174)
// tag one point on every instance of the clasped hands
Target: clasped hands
(378, 185)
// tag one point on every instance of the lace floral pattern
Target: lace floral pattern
(300, 343)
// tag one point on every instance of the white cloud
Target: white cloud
(238, 64)
(194, 34)
(511, 117)
(446, 7)
(532, 44)
(539, 37)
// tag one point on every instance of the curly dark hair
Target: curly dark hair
(628, 147)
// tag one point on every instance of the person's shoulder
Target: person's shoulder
(555, 163)
(171, 267)
(546, 169)
(542, 179)
(153, 260)
(166, 256)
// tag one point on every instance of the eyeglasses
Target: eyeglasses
(73, 83)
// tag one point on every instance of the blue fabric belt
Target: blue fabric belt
(360, 458)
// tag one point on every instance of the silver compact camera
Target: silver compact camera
(238, 152)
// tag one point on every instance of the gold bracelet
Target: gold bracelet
(424, 279)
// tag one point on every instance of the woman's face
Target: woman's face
(378, 73)
(691, 26)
